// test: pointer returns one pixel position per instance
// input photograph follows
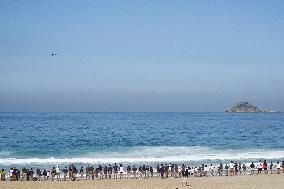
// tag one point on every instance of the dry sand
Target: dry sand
(230, 182)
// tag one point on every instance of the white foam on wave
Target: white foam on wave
(156, 154)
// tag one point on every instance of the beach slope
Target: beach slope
(231, 182)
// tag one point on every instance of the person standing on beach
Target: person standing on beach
(38, 172)
(252, 166)
(57, 173)
(93, 173)
(134, 170)
(101, 172)
(226, 170)
(81, 172)
(278, 167)
(244, 169)
(265, 166)
(185, 175)
(167, 170)
(44, 173)
(115, 171)
(65, 172)
(47, 174)
(283, 166)
(151, 171)
(231, 167)
(88, 172)
(140, 172)
(27, 175)
(109, 170)
(172, 170)
(212, 169)
(236, 168)
(176, 171)
(205, 171)
(70, 171)
(128, 169)
(240, 167)
(271, 167)
(158, 170)
(144, 171)
(74, 171)
(121, 171)
(148, 172)
(24, 174)
(53, 173)
(162, 170)
(220, 170)
(105, 172)
(259, 167)
(3, 175)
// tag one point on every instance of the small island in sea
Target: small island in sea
(245, 107)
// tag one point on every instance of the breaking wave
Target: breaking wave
(150, 154)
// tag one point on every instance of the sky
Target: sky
(140, 56)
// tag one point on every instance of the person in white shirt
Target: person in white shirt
(121, 172)
(48, 174)
(231, 167)
(259, 167)
(57, 173)
(212, 169)
(206, 169)
(278, 167)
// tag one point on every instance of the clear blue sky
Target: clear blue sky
(190, 55)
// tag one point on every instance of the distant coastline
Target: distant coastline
(246, 107)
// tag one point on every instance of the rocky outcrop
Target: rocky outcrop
(245, 107)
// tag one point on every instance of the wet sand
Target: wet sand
(231, 182)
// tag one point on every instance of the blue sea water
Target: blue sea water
(62, 138)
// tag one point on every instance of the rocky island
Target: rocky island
(245, 107)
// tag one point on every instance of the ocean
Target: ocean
(46, 139)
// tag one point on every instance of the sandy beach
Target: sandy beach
(231, 182)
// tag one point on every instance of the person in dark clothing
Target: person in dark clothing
(158, 170)
(176, 171)
(31, 174)
(162, 171)
(185, 175)
(151, 171)
(115, 171)
(144, 171)
(220, 169)
(271, 167)
(226, 170)
(167, 170)
(252, 166)
(105, 172)
(44, 173)
(38, 172)
(65, 171)
(128, 169)
(236, 168)
(82, 172)
(109, 170)
(53, 173)
(74, 172)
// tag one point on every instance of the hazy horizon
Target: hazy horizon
(140, 56)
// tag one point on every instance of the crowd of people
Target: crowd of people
(162, 171)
